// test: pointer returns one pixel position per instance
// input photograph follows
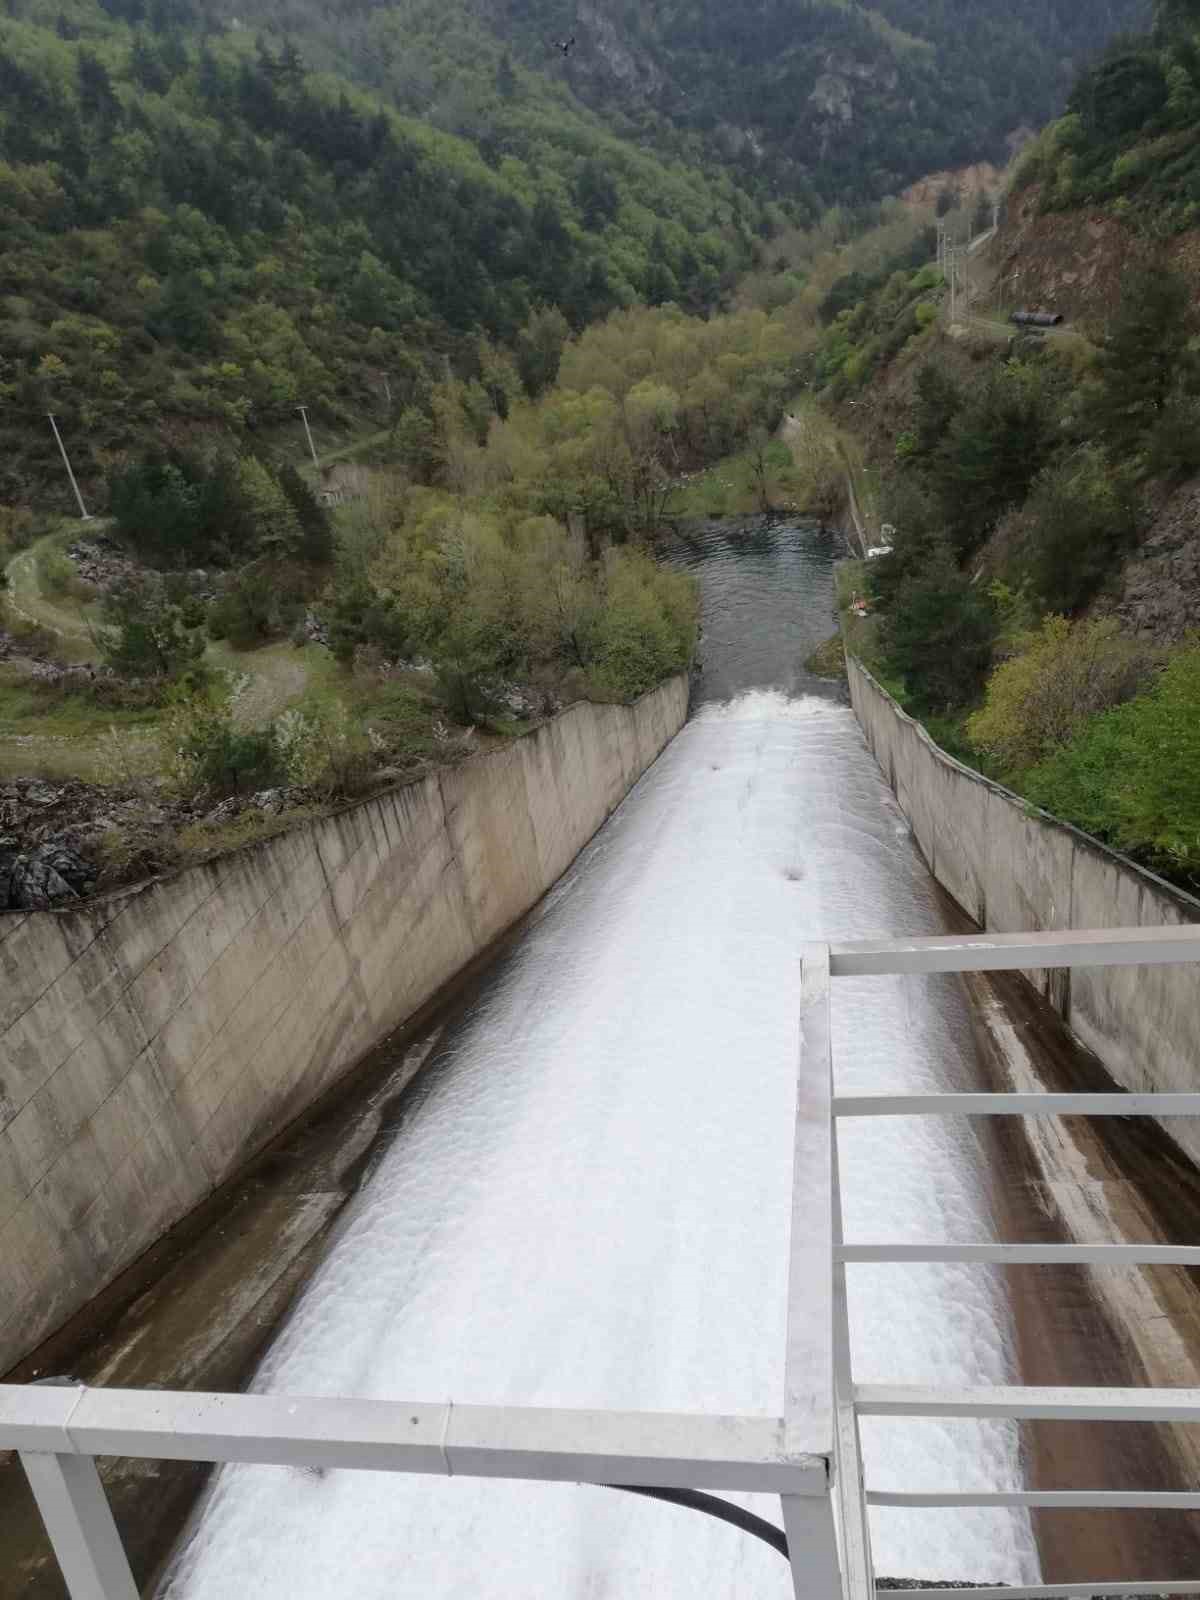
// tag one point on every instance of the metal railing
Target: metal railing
(1117, 947)
(809, 1455)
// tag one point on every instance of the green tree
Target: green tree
(315, 542)
(359, 614)
(266, 511)
(540, 347)
(938, 635)
(159, 507)
(996, 446)
(938, 401)
(1079, 521)
(145, 636)
(216, 757)
(1144, 361)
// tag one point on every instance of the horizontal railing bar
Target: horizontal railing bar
(1043, 1499)
(1015, 1255)
(1017, 1105)
(1039, 1404)
(1059, 1591)
(997, 952)
(657, 1450)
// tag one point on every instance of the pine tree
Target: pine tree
(316, 530)
(267, 509)
(1145, 360)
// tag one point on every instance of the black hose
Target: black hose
(711, 1506)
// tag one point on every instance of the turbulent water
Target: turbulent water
(587, 1202)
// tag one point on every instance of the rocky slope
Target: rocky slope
(1073, 261)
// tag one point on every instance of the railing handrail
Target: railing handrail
(1006, 952)
(1117, 947)
(659, 1449)
(59, 1430)
(1123, 1103)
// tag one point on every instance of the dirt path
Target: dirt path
(272, 678)
(25, 596)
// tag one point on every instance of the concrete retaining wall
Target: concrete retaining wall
(151, 1042)
(1016, 870)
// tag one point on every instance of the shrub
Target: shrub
(57, 575)
(1061, 675)
(247, 611)
(322, 751)
(211, 754)
(359, 614)
(1132, 775)
(647, 627)
(145, 636)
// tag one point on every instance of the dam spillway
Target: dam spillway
(586, 1200)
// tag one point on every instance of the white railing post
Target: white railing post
(80, 1523)
(812, 1546)
(849, 1484)
(809, 1405)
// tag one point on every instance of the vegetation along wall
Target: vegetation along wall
(1015, 869)
(150, 1043)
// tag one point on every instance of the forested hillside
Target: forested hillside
(202, 231)
(538, 299)
(214, 214)
(1039, 607)
(822, 99)
(1130, 140)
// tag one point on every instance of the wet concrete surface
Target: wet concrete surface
(198, 1310)
(1094, 1180)
(202, 1308)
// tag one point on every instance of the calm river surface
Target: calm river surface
(586, 1203)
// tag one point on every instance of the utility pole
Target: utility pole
(952, 274)
(995, 215)
(303, 410)
(941, 244)
(84, 513)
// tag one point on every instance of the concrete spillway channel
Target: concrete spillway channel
(571, 1187)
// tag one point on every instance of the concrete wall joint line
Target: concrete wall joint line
(231, 940)
(213, 1062)
(352, 961)
(42, 993)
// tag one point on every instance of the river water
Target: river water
(587, 1201)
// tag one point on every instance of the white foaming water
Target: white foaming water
(587, 1204)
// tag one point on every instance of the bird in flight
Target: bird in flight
(565, 45)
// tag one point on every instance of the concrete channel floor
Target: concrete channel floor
(200, 1308)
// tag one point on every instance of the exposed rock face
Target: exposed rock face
(50, 834)
(102, 563)
(41, 863)
(963, 181)
(632, 66)
(1160, 593)
(832, 98)
(50, 875)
